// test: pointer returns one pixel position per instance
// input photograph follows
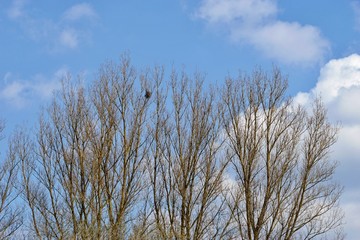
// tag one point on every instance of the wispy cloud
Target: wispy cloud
(16, 9)
(69, 38)
(13, 93)
(80, 11)
(228, 11)
(356, 8)
(254, 22)
(20, 93)
(56, 35)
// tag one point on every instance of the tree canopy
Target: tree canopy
(141, 155)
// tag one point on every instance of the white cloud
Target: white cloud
(352, 211)
(343, 107)
(288, 42)
(356, 8)
(16, 10)
(56, 35)
(254, 22)
(69, 38)
(338, 74)
(339, 87)
(20, 93)
(351, 207)
(82, 10)
(13, 93)
(216, 11)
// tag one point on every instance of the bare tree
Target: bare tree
(122, 143)
(131, 156)
(280, 161)
(83, 173)
(186, 167)
(10, 213)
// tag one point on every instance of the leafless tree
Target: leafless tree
(83, 173)
(282, 174)
(187, 169)
(132, 156)
(10, 212)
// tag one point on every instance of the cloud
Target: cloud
(351, 208)
(218, 11)
(13, 92)
(356, 8)
(254, 22)
(69, 38)
(17, 9)
(56, 35)
(82, 10)
(339, 87)
(288, 42)
(20, 93)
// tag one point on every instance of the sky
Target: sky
(315, 43)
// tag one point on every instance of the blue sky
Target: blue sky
(316, 43)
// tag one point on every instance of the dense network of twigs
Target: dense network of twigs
(137, 156)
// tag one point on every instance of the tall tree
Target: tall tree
(187, 170)
(83, 172)
(10, 212)
(280, 159)
(133, 156)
